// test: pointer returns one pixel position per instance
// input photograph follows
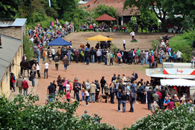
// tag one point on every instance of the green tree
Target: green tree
(155, 6)
(8, 8)
(104, 9)
(28, 48)
(146, 19)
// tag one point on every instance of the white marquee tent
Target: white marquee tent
(177, 82)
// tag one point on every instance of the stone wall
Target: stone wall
(15, 32)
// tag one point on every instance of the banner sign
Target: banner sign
(178, 71)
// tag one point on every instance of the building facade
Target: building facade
(11, 52)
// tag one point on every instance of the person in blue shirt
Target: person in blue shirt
(133, 87)
(166, 101)
(174, 57)
(169, 52)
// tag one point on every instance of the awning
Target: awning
(177, 82)
(99, 38)
(172, 76)
(59, 42)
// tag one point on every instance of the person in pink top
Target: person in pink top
(68, 96)
(119, 58)
(171, 104)
(64, 85)
(160, 99)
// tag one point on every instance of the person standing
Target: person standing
(97, 89)
(38, 70)
(108, 57)
(53, 53)
(32, 77)
(92, 53)
(92, 92)
(99, 54)
(12, 81)
(119, 58)
(102, 82)
(76, 55)
(56, 60)
(87, 55)
(119, 95)
(123, 100)
(142, 57)
(160, 99)
(124, 44)
(76, 90)
(44, 54)
(149, 98)
(106, 91)
(46, 65)
(132, 34)
(66, 61)
(51, 92)
(59, 53)
(155, 97)
(19, 84)
(25, 87)
(136, 57)
(150, 60)
(112, 91)
(86, 96)
(131, 100)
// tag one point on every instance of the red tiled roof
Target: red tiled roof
(105, 17)
(117, 4)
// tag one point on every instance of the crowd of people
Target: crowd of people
(121, 88)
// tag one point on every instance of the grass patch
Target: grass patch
(133, 41)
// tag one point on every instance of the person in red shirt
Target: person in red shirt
(171, 104)
(160, 99)
(12, 81)
(25, 86)
(150, 60)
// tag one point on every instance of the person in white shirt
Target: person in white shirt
(124, 44)
(46, 69)
(178, 56)
(132, 34)
(68, 85)
(53, 53)
(162, 44)
(38, 70)
(86, 96)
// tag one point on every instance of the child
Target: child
(68, 96)
(86, 96)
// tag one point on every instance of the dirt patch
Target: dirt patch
(144, 40)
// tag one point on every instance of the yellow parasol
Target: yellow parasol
(99, 38)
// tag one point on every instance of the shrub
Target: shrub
(183, 43)
(114, 49)
(21, 113)
(178, 119)
(155, 44)
(133, 40)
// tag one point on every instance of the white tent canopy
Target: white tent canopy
(177, 82)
